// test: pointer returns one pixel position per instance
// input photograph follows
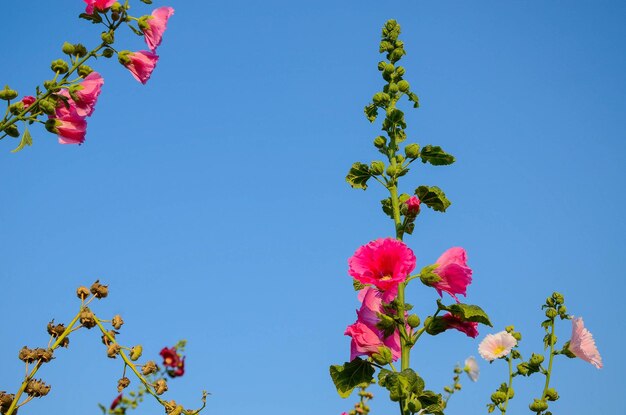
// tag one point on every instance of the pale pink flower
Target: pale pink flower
(368, 315)
(471, 368)
(495, 346)
(413, 205)
(98, 4)
(451, 321)
(141, 64)
(87, 94)
(156, 26)
(454, 273)
(384, 263)
(68, 125)
(583, 345)
(28, 101)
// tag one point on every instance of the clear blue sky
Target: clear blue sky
(213, 201)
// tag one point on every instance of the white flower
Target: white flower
(496, 345)
(471, 368)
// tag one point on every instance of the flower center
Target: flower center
(499, 349)
(385, 278)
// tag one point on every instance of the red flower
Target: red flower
(453, 322)
(170, 357)
(116, 401)
(180, 369)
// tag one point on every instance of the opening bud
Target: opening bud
(380, 141)
(59, 66)
(84, 70)
(7, 93)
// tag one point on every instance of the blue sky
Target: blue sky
(213, 201)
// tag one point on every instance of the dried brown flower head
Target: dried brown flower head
(99, 290)
(160, 386)
(87, 318)
(122, 383)
(36, 388)
(149, 368)
(117, 322)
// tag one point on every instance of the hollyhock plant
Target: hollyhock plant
(495, 346)
(140, 64)
(454, 273)
(582, 344)
(87, 94)
(98, 4)
(156, 26)
(451, 321)
(384, 263)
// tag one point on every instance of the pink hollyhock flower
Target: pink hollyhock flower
(453, 322)
(384, 263)
(471, 368)
(68, 125)
(454, 273)
(413, 205)
(116, 401)
(170, 357)
(583, 345)
(141, 64)
(88, 94)
(365, 340)
(368, 315)
(495, 346)
(28, 101)
(98, 4)
(156, 26)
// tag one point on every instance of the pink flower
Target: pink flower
(368, 314)
(28, 101)
(88, 94)
(67, 124)
(98, 4)
(141, 64)
(495, 346)
(583, 345)
(454, 273)
(365, 340)
(453, 322)
(156, 26)
(413, 205)
(384, 263)
(471, 368)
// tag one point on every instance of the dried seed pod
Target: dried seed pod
(149, 368)
(87, 318)
(27, 355)
(36, 388)
(160, 386)
(6, 399)
(122, 383)
(45, 355)
(106, 340)
(113, 350)
(117, 322)
(82, 293)
(99, 290)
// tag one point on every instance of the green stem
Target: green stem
(33, 372)
(509, 385)
(547, 385)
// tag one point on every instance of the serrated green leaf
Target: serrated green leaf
(414, 98)
(387, 207)
(358, 175)
(350, 375)
(401, 385)
(436, 156)
(469, 312)
(26, 140)
(433, 197)
(371, 112)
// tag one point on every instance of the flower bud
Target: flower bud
(381, 98)
(538, 405)
(536, 359)
(498, 397)
(414, 405)
(383, 356)
(7, 93)
(522, 368)
(551, 313)
(84, 70)
(122, 384)
(380, 141)
(48, 106)
(385, 46)
(389, 68)
(135, 352)
(82, 292)
(399, 158)
(413, 320)
(381, 65)
(68, 48)
(59, 66)
(12, 130)
(393, 88)
(403, 86)
(108, 37)
(558, 297)
(108, 53)
(116, 7)
(391, 170)
(160, 386)
(117, 322)
(552, 394)
(115, 16)
(16, 107)
(377, 167)
(563, 312)
(80, 50)
(412, 151)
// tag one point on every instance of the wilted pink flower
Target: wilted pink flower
(384, 263)
(583, 345)
(68, 125)
(98, 4)
(28, 101)
(88, 94)
(156, 26)
(368, 315)
(454, 273)
(141, 64)
(496, 345)
(453, 322)
(413, 205)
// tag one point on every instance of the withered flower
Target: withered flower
(87, 318)
(36, 388)
(5, 401)
(27, 355)
(56, 331)
(45, 355)
(160, 386)
(122, 383)
(82, 292)
(149, 368)
(106, 340)
(172, 408)
(99, 290)
(117, 322)
(113, 350)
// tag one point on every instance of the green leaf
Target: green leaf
(354, 374)
(432, 403)
(358, 175)
(401, 385)
(103, 408)
(433, 197)
(468, 312)
(371, 112)
(387, 207)
(93, 18)
(27, 140)
(357, 285)
(414, 98)
(436, 156)
(135, 30)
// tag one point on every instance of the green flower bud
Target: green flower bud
(551, 313)
(50, 85)
(377, 167)
(550, 302)
(414, 405)
(381, 65)
(380, 98)
(400, 70)
(511, 393)
(59, 66)
(68, 48)
(84, 70)
(448, 389)
(108, 53)
(413, 320)
(563, 311)
(48, 106)
(509, 328)
(392, 170)
(536, 359)
(108, 37)
(393, 87)
(517, 336)
(383, 356)
(396, 54)
(498, 397)
(522, 368)
(403, 86)
(558, 298)
(538, 405)
(80, 50)
(389, 68)
(385, 46)
(115, 16)
(412, 151)
(12, 130)
(7, 93)
(116, 7)
(51, 125)
(399, 158)
(552, 394)
(380, 141)
(16, 107)
(135, 352)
